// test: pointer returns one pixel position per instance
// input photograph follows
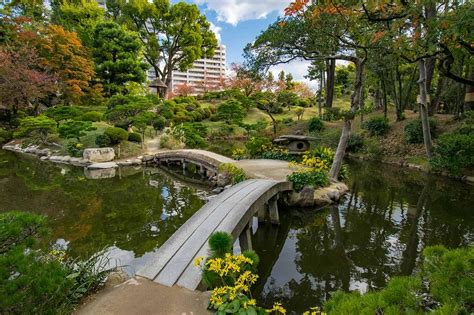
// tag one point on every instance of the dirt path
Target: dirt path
(141, 297)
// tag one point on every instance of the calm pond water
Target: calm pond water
(131, 214)
(379, 230)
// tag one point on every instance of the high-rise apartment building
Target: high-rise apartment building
(205, 74)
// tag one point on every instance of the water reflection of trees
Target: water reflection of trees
(378, 231)
(129, 213)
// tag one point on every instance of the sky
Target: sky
(238, 22)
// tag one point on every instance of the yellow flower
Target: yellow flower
(252, 302)
(278, 308)
(198, 261)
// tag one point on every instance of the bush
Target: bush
(276, 153)
(235, 174)
(36, 282)
(315, 125)
(116, 135)
(256, 146)
(303, 178)
(38, 127)
(231, 111)
(332, 113)
(355, 144)
(159, 123)
(5, 135)
(92, 116)
(414, 131)
(453, 152)
(169, 141)
(377, 126)
(220, 243)
(192, 134)
(75, 149)
(134, 137)
(102, 141)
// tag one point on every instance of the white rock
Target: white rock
(99, 154)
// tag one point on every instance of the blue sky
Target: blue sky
(239, 22)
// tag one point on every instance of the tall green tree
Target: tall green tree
(80, 16)
(118, 57)
(174, 35)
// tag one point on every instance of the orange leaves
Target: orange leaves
(295, 7)
(377, 36)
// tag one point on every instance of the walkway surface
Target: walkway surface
(266, 169)
(231, 211)
(142, 297)
(261, 168)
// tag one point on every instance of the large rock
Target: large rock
(99, 154)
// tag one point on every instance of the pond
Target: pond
(130, 214)
(377, 231)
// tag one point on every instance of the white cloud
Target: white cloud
(234, 11)
(217, 30)
(298, 69)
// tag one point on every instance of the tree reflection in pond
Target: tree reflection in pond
(378, 231)
(135, 212)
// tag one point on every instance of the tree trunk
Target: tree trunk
(320, 95)
(424, 109)
(346, 129)
(385, 102)
(469, 97)
(331, 71)
(434, 105)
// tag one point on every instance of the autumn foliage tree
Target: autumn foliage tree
(22, 84)
(184, 89)
(63, 54)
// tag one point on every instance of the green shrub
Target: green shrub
(315, 125)
(192, 134)
(453, 152)
(75, 129)
(116, 135)
(303, 178)
(276, 153)
(401, 296)
(256, 146)
(102, 141)
(92, 116)
(134, 137)
(356, 143)
(414, 131)
(231, 111)
(220, 243)
(159, 123)
(235, 173)
(450, 274)
(5, 135)
(36, 282)
(37, 127)
(75, 148)
(377, 126)
(332, 113)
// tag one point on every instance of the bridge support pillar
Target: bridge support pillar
(262, 215)
(245, 239)
(273, 210)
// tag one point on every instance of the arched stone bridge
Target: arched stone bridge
(232, 211)
(208, 162)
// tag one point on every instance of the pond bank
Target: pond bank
(464, 178)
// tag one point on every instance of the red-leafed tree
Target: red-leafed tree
(184, 89)
(22, 83)
(245, 81)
